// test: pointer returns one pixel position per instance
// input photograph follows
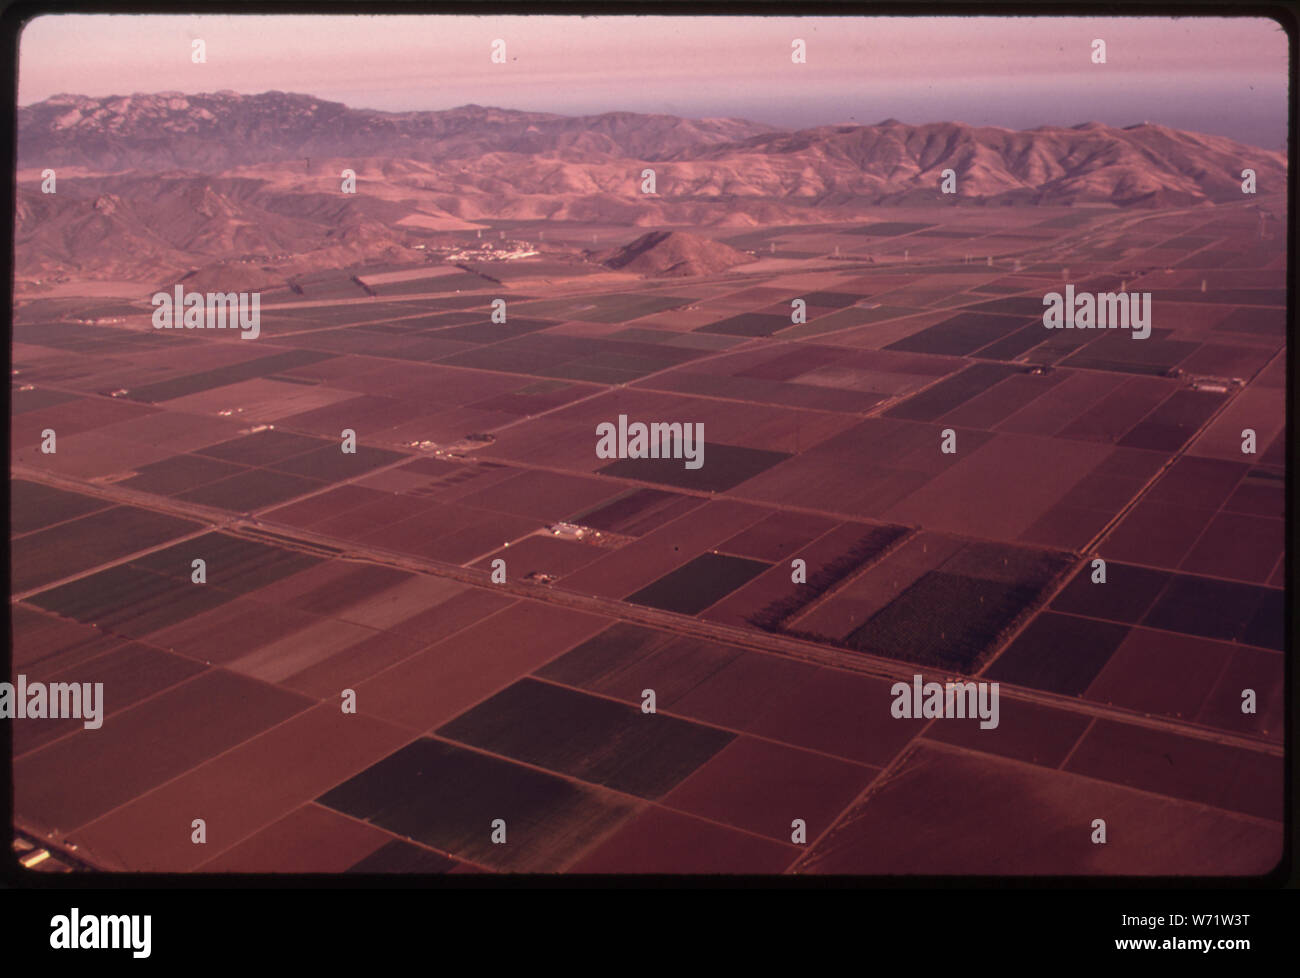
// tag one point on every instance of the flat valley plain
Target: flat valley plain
(522, 701)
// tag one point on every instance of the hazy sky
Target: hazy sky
(1218, 75)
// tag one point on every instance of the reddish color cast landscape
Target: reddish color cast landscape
(632, 665)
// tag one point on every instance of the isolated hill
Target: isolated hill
(675, 253)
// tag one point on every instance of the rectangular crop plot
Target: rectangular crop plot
(1172, 424)
(262, 448)
(1261, 322)
(166, 390)
(889, 229)
(446, 796)
(1059, 653)
(619, 308)
(232, 563)
(130, 601)
(110, 534)
(180, 473)
(251, 490)
(37, 400)
(694, 586)
(831, 559)
(330, 463)
(1118, 351)
(747, 324)
(588, 737)
(440, 283)
(1017, 305)
(1222, 610)
(32, 505)
(364, 312)
(952, 616)
(637, 512)
(725, 466)
(490, 332)
(614, 649)
(938, 400)
(961, 335)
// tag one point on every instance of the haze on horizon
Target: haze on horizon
(1224, 76)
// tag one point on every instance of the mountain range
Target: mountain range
(178, 182)
(223, 130)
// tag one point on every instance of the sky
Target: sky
(1226, 76)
